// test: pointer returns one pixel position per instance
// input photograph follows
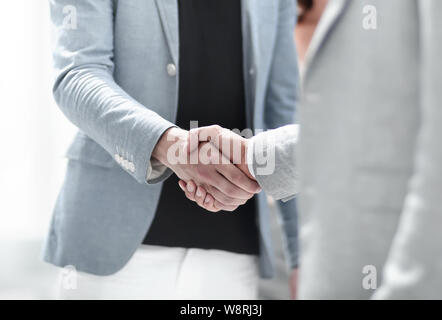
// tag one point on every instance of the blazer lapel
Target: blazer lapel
(330, 17)
(168, 10)
(258, 19)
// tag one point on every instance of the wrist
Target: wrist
(170, 137)
(244, 165)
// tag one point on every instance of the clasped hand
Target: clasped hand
(210, 163)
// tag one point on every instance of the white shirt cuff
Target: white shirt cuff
(155, 170)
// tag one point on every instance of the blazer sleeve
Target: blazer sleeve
(280, 106)
(283, 86)
(414, 267)
(273, 159)
(87, 94)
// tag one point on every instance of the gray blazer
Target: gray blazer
(369, 155)
(117, 72)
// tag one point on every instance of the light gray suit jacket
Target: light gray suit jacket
(117, 69)
(369, 155)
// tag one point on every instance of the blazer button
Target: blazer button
(117, 158)
(125, 164)
(171, 70)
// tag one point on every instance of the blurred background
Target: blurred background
(33, 137)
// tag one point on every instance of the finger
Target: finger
(190, 196)
(226, 141)
(200, 195)
(224, 207)
(185, 187)
(223, 198)
(238, 178)
(209, 202)
(206, 201)
(191, 187)
(222, 183)
(206, 134)
(197, 193)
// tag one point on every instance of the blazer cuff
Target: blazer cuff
(150, 170)
(157, 172)
(269, 172)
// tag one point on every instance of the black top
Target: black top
(212, 92)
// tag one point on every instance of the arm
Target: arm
(281, 102)
(278, 177)
(86, 92)
(88, 95)
(272, 155)
(413, 269)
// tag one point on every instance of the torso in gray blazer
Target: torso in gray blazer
(369, 156)
(117, 80)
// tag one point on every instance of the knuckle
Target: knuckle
(216, 131)
(217, 127)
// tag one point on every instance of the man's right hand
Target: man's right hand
(224, 181)
(232, 145)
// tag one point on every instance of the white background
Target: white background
(33, 138)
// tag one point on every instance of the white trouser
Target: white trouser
(156, 272)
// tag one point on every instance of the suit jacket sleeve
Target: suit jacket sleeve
(274, 164)
(87, 94)
(414, 267)
(281, 99)
(283, 86)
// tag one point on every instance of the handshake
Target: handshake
(211, 163)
